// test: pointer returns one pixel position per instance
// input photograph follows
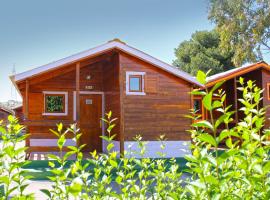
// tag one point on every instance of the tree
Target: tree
(244, 26)
(202, 52)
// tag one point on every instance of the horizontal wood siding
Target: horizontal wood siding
(266, 101)
(111, 90)
(161, 110)
(103, 73)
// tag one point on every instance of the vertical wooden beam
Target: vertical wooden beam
(235, 99)
(26, 111)
(26, 116)
(122, 120)
(77, 92)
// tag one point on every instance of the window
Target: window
(55, 103)
(135, 83)
(197, 107)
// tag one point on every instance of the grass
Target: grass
(40, 170)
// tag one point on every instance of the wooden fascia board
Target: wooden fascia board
(101, 50)
(238, 73)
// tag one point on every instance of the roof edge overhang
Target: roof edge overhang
(224, 76)
(114, 44)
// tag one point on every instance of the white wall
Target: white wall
(49, 142)
(172, 148)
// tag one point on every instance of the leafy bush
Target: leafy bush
(239, 172)
(12, 157)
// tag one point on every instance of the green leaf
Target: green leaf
(207, 101)
(76, 186)
(266, 167)
(216, 104)
(110, 146)
(201, 77)
(220, 120)
(229, 143)
(54, 132)
(203, 124)
(113, 163)
(223, 134)
(59, 127)
(109, 115)
(216, 86)
(46, 192)
(211, 179)
(208, 139)
(61, 141)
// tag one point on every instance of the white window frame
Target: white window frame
(132, 73)
(66, 103)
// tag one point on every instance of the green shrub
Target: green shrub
(12, 157)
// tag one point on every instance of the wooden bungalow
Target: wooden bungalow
(18, 112)
(258, 72)
(148, 96)
(4, 113)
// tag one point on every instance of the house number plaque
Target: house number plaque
(89, 87)
(88, 101)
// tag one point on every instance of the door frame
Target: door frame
(102, 108)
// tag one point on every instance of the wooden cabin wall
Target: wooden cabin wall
(112, 92)
(4, 115)
(161, 110)
(103, 78)
(256, 76)
(266, 100)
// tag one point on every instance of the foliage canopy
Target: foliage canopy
(244, 26)
(202, 52)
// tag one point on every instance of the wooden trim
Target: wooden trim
(140, 83)
(100, 50)
(26, 99)
(56, 93)
(268, 91)
(203, 116)
(122, 111)
(77, 92)
(26, 109)
(237, 73)
(130, 74)
(235, 100)
(46, 111)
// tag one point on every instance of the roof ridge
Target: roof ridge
(115, 43)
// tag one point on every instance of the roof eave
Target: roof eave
(99, 50)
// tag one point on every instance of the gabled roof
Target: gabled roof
(223, 76)
(6, 109)
(113, 44)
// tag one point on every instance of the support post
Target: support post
(77, 92)
(26, 117)
(26, 112)
(235, 100)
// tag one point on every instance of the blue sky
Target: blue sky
(34, 32)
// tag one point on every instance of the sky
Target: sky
(34, 33)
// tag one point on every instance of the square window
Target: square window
(55, 103)
(135, 83)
